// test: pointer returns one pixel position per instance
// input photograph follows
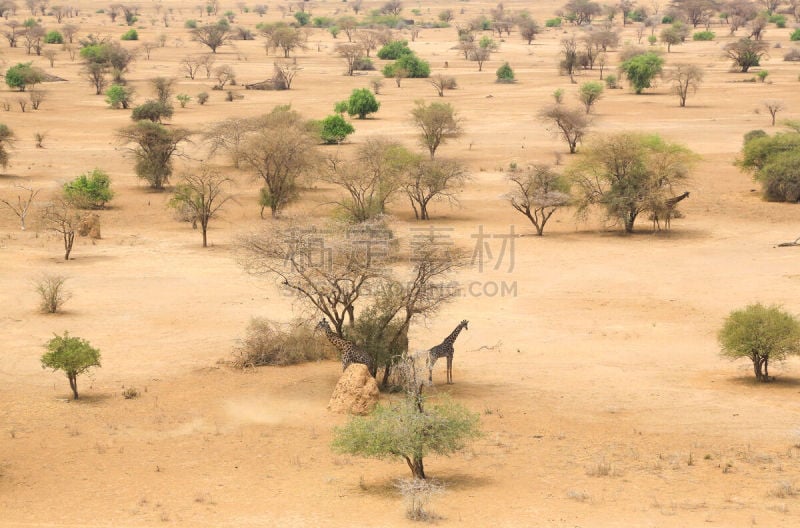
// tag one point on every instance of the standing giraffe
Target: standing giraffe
(667, 210)
(445, 349)
(350, 352)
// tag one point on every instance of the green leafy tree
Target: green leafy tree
(361, 103)
(412, 67)
(436, 122)
(131, 34)
(89, 191)
(774, 162)
(394, 50)
(334, 129)
(53, 37)
(642, 69)
(629, 173)
(589, 93)
(302, 18)
(72, 355)
(213, 35)
(760, 333)
(154, 147)
(23, 75)
(408, 431)
(119, 96)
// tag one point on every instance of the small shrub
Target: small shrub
(779, 20)
(89, 191)
(611, 81)
(130, 393)
(153, 111)
(505, 74)
(762, 75)
(53, 37)
(667, 19)
(118, 96)
(51, 292)
(558, 95)
(415, 67)
(703, 35)
(190, 24)
(267, 344)
(131, 34)
(417, 493)
(363, 64)
(793, 55)
(202, 98)
(229, 96)
(795, 36)
(334, 129)
(394, 50)
(183, 99)
(652, 40)
(553, 22)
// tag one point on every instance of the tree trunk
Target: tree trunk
(386, 372)
(73, 384)
(416, 466)
(630, 218)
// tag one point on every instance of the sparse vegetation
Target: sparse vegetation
(267, 343)
(52, 294)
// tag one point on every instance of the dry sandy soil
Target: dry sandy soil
(600, 388)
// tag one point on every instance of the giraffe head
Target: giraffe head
(464, 324)
(323, 325)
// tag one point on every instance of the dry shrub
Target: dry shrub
(793, 55)
(417, 494)
(51, 292)
(268, 343)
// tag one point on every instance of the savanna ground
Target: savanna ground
(601, 393)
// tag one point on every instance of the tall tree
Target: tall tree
(202, 194)
(154, 148)
(436, 122)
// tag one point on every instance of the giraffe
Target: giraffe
(350, 352)
(445, 349)
(667, 210)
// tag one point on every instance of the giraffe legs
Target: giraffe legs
(449, 370)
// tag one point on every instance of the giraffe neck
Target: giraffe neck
(452, 337)
(676, 199)
(338, 342)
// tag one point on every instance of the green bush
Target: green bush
(119, 96)
(505, 74)
(334, 129)
(323, 22)
(131, 34)
(778, 20)
(361, 103)
(553, 22)
(302, 18)
(363, 64)
(54, 37)
(153, 111)
(667, 19)
(183, 99)
(394, 50)
(775, 163)
(703, 35)
(413, 65)
(202, 98)
(611, 81)
(795, 36)
(642, 69)
(89, 191)
(190, 24)
(23, 75)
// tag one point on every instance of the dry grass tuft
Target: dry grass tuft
(269, 344)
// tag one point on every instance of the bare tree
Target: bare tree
(190, 65)
(207, 61)
(212, 35)
(37, 97)
(774, 106)
(229, 136)
(50, 55)
(202, 194)
(371, 179)
(96, 73)
(281, 151)
(441, 82)
(433, 180)
(22, 205)
(537, 193)
(480, 55)
(368, 39)
(436, 123)
(69, 31)
(569, 123)
(61, 217)
(685, 78)
(224, 75)
(286, 71)
(351, 53)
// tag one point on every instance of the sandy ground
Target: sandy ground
(601, 392)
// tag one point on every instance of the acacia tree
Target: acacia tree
(641, 69)
(684, 78)
(154, 147)
(201, 193)
(6, 141)
(538, 191)
(73, 355)
(760, 333)
(746, 53)
(436, 122)
(774, 106)
(212, 35)
(351, 53)
(433, 180)
(371, 179)
(281, 151)
(589, 94)
(629, 173)
(229, 136)
(571, 124)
